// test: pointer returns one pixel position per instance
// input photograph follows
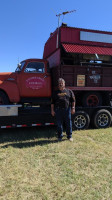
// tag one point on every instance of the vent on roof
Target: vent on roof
(64, 24)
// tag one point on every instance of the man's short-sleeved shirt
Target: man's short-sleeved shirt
(63, 99)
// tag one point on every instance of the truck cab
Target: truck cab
(30, 83)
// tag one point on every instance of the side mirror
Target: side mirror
(19, 65)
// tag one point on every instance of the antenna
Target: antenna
(58, 15)
(18, 59)
(64, 13)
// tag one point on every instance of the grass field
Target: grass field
(34, 166)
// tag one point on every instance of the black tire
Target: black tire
(92, 99)
(102, 119)
(3, 98)
(80, 120)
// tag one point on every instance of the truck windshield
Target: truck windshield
(20, 67)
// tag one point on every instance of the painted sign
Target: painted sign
(35, 83)
(95, 77)
(81, 80)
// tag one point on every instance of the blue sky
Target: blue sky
(25, 25)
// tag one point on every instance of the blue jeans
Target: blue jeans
(64, 115)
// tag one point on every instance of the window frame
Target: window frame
(36, 72)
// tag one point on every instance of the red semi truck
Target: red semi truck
(82, 57)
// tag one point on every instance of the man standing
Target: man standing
(63, 105)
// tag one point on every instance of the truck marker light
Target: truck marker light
(21, 125)
(36, 124)
(39, 124)
(3, 126)
(49, 124)
(24, 125)
(8, 126)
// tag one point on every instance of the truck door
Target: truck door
(34, 81)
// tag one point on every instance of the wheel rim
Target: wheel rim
(80, 121)
(92, 100)
(103, 120)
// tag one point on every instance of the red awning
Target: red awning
(73, 48)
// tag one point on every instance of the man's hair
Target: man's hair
(61, 79)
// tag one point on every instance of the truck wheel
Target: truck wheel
(3, 98)
(92, 99)
(102, 119)
(81, 120)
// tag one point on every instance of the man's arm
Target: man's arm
(72, 102)
(52, 110)
(73, 108)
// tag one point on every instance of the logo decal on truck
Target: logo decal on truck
(35, 83)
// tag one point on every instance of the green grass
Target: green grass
(34, 166)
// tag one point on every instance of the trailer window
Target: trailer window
(35, 67)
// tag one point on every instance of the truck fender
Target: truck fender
(11, 89)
